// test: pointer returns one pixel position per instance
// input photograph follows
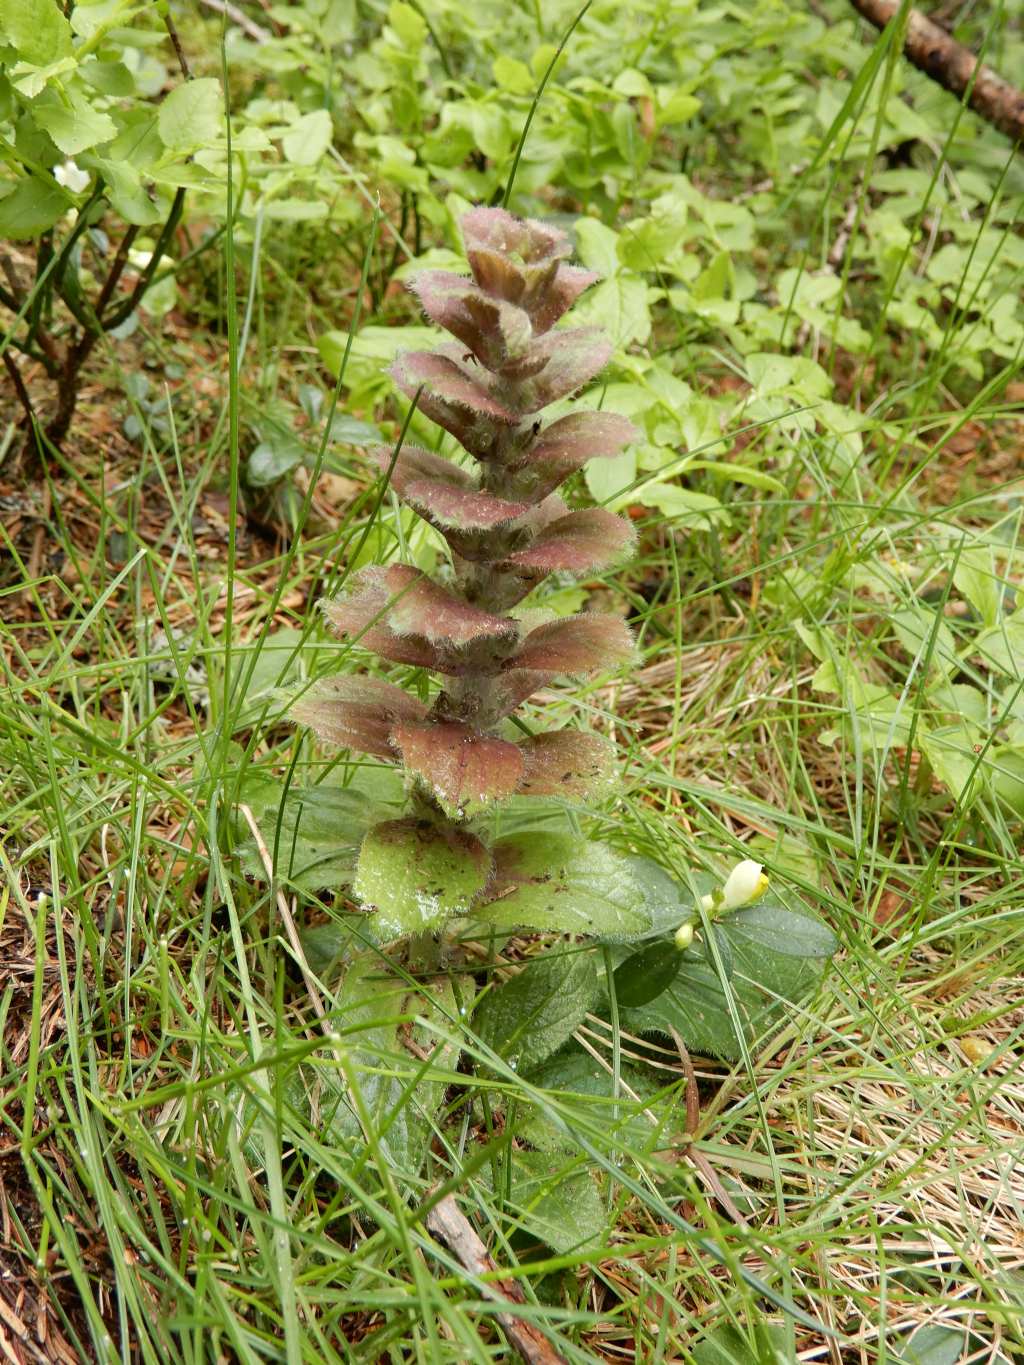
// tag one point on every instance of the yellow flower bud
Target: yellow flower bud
(744, 884)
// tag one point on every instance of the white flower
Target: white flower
(72, 177)
(744, 884)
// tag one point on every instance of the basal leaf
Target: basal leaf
(315, 831)
(563, 884)
(562, 1208)
(584, 1087)
(399, 1092)
(532, 1014)
(727, 1346)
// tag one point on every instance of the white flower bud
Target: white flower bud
(744, 884)
(684, 936)
(72, 177)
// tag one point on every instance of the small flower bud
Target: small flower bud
(744, 884)
(684, 936)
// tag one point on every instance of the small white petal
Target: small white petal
(72, 177)
(745, 883)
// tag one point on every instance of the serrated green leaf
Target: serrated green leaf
(567, 885)
(33, 206)
(976, 578)
(192, 115)
(565, 1211)
(37, 29)
(513, 75)
(307, 140)
(619, 307)
(530, 1016)
(1002, 646)
(74, 126)
(125, 191)
(923, 634)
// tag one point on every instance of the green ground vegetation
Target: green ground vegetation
(811, 265)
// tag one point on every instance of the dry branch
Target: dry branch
(447, 1221)
(953, 66)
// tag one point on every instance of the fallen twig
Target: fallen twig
(447, 1221)
(953, 66)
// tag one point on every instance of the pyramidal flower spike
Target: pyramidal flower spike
(506, 530)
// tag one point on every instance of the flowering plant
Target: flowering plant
(507, 529)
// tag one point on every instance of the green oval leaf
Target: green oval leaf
(644, 975)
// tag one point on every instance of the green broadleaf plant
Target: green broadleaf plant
(86, 165)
